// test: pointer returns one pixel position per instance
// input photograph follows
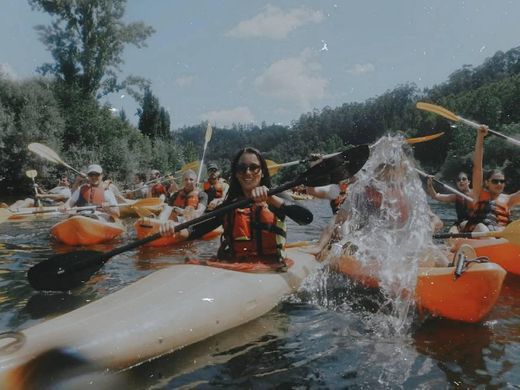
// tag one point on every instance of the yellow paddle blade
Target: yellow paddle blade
(437, 110)
(194, 166)
(416, 140)
(142, 212)
(209, 133)
(45, 152)
(272, 167)
(147, 202)
(511, 233)
(31, 173)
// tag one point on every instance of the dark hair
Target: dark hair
(492, 172)
(235, 190)
(462, 173)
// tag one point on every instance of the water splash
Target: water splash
(387, 229)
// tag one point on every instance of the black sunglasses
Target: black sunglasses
(498, 181)
(253, 168)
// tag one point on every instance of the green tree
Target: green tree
(154, 120)
(86, 39)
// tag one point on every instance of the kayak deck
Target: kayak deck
(82, 230)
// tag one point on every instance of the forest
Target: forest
(62, 109)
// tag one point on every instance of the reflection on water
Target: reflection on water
(327, 336)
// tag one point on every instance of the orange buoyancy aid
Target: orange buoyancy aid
(157, 190)
(491, 212)
(89, 195)
(183, 199)
(214, 191)
(336, 203)
(253, 234)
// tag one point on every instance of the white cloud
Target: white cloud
(184, 81)
(226, 118)
(274, 23)
(7, 72)
(296, 80)
(360, 69)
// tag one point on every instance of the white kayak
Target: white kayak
(164, 311)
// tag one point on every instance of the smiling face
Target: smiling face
(495, 184)
(248, 172)
(94, 179)
(463, 182)
(188, 181)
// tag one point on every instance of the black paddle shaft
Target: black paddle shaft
(69, 270)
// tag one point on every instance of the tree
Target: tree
(86, 39)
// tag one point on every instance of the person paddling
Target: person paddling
(256, 233)
(463, 206)
(215, 187)
(93, 193)
(187, 203)
(492, 211)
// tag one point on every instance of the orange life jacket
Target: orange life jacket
(89, 195)
(214, 191)
(183, 199)
(490, 212)
(253, 234)
(464, 209)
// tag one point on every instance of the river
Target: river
(329, 340)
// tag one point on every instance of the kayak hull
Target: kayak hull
(164, 311)
(145, 227)
(468, 298)
(81, 230)
(499, 251)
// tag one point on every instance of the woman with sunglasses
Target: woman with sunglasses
(256, 233)
(463, 206)
(493, 208)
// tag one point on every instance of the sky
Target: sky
(254, 61)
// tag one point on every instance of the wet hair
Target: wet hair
(235, 189)
(189, 172)
(492, 172)
(462, 173)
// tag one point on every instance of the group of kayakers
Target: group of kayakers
(491, 208)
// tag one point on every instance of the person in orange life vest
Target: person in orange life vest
(187, 203)
(492, 212)
(93, 193)
(214, 187)
(156, 189)
(255, 233)
(463, 207)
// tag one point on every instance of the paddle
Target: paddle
(50, 155)
(274, 167)
(511, 233)
(207, 138)
(455, 118)
(31, 173)
(449, 188)
(63, 272)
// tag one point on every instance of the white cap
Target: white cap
(94, 168)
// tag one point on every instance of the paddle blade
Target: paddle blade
(437, 110)
(272, 167)
(426, 138)
(45, 152)
(209, 133)
(194, 166)
(511, 233)
(337, 168)
(65, 271)
(31, 173)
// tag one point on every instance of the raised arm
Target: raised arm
(478, 157)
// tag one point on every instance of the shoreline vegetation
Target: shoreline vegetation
(59, 111)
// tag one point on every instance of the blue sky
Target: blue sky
(252, 61)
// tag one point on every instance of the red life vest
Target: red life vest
(214, 191)
(89, 195)
(253, 234)
(157, 190)
(336, 203)
(490, 212)
(183, 199)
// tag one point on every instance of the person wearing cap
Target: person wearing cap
(214, 187)
(94, 193)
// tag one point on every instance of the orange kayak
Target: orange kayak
(498, 251)
(82, 230)
(468, 298)
(127, 211)
(145, 227)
